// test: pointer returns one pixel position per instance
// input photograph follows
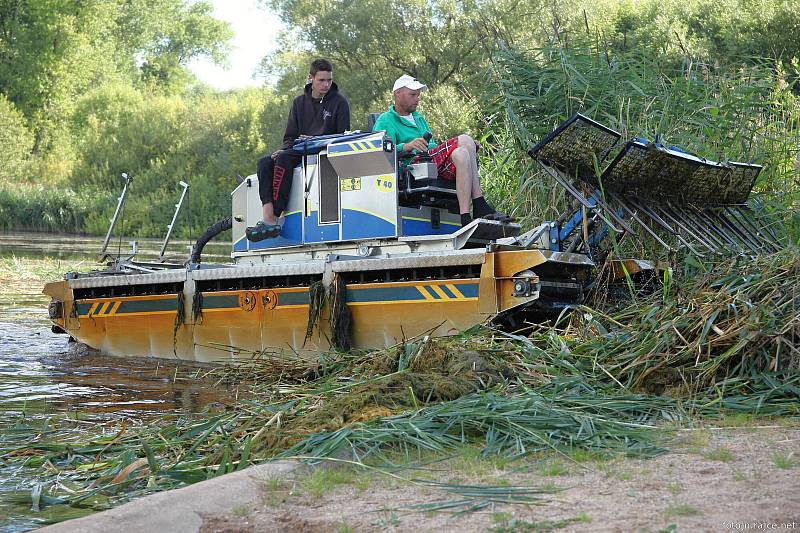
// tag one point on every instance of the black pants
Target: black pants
(275, 179)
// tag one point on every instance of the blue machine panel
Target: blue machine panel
(314, 232)
(364, 225)
(418, 226)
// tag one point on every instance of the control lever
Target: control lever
(423, 157)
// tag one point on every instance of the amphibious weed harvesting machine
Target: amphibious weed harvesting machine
(372, 253)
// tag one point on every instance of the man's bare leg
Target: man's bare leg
(480, 208)
(460, 158)
(269, 214)
(469, 144)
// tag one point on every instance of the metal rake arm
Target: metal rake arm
(555, 174)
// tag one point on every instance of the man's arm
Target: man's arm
(343, 116)
(426, 129)
(292, 127)
(418, 144)
(386, 124)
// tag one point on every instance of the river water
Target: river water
(43, 375)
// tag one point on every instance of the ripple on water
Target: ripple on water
(37, 366)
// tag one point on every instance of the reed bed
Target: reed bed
(733, 328)
(746, 111)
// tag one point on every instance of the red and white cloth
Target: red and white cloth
(441, 158)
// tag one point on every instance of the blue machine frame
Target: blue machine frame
(345, 189)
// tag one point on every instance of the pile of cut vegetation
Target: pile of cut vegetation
(713, 339)
(727, 330)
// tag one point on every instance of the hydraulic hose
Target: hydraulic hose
(212, 231)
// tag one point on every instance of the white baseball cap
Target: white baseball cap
(408, 81)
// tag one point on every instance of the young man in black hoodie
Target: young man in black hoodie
(320, 110)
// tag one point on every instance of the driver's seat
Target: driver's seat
(419, 184)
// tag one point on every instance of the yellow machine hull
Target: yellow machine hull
(221, 325)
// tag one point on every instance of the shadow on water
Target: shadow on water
(44, 377)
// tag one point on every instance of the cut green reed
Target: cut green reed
(514, 423)
(719, 338)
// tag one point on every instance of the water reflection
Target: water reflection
(41, 372)
(67, 246)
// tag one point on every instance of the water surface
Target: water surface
(43, 376)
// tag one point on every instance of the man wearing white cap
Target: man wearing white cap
(455, 158)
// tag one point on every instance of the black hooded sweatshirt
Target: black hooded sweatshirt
(315, 116)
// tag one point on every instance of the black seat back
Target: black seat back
(371, 118)
(432, 192)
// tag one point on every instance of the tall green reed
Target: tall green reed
(746, 112)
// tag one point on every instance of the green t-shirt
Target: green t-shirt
(402, 130)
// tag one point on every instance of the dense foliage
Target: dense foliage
(749, 113)
(91, 90)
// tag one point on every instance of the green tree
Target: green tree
(164, 35)
(16, 142)
(204, 140)
(371, 42)
(52, 51)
